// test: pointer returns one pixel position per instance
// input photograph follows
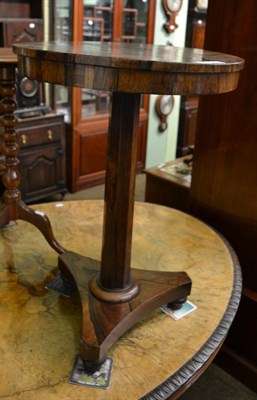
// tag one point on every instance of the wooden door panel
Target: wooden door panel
(93, 152)
(90, 152)
(41, 172)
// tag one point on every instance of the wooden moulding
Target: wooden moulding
(129, 81)
(178, 383)
(124, 68)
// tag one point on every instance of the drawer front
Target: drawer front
(41, 135)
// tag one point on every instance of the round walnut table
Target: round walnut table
(159, 358)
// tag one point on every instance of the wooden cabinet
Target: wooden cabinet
(20, 30)
(87, 111)
(20, 21)
(42, 147)
(169, 184)
(42, 157)
(187, 125)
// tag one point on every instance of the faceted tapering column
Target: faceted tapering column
(119, 195)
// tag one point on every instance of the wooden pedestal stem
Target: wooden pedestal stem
(115, 298)
(119, 192)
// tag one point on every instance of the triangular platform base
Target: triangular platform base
(103, 322)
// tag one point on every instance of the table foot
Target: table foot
(60, 285)
(104, 322)
(41, 222)
(177, 304)
(99, 378)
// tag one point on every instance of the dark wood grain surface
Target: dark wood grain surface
(128, 67)
(129, 55)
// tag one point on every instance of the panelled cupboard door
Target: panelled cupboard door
(88, 115)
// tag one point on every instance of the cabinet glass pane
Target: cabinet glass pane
(134, 23)
(99, 23)
(63, 20)
(62, 32)
(98, 20)
(94, 102)
(97, 26)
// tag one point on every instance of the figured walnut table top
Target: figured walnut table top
(129, 68)
(40, 330)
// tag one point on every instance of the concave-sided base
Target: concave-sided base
(104, 322)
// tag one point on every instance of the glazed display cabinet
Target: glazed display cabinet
(87, 111)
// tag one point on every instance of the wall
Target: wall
(161, 147)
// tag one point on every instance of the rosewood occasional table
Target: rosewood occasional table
(113, 296)
(159, 358)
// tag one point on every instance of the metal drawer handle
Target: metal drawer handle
(24, 139)
(50, 134)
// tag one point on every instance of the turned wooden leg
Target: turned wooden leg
(11, 206)
(10, 177)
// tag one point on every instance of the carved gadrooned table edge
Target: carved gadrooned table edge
(189, 371)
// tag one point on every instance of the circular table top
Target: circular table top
(40, 330)
(128, 67)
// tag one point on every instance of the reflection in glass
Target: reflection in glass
(94, 102)
(62, 32)
(62, 18)
(135, 15)
(98, 25)
(98, 20)
(62, 101)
